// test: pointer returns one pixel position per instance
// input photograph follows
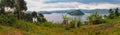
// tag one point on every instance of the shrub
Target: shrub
(7, 19)
(26, 26)
(95, 19)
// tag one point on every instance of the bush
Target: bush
(95, 19)
(7, 19)
(26, 26)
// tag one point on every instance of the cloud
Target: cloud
(98, 6)
(37, 5)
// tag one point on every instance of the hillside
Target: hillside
(22, 27)
(52, 29)
(77, 17)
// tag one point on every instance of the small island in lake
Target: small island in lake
(76, 12)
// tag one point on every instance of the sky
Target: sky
(50, 5)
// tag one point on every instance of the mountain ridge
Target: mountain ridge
(103, 11)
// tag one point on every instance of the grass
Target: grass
(111, 27)
(116, 19)
(6, 30)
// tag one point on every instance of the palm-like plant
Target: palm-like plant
(65, 20)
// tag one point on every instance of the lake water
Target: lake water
(58, 17)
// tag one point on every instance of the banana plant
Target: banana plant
(65, 20)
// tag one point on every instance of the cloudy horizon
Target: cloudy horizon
(50, 5)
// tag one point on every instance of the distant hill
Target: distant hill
(101, 11)
(76, 12)
(45, 12)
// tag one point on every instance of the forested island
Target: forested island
(76, 12)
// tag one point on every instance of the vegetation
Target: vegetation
(114, 13)
(95, 19)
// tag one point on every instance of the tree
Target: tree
(41, 15)
(2, 4)
(20, 6)
(111, 14)
(34, 14)
(41, 18)
(9, 3)
(117, 12)
(28, 17)
(65, 20)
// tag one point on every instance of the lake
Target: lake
(58, 17)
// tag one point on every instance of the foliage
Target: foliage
(34, 14)
(22, 4)
(114, 13)
(65, 20)
(12, 3)
(117, 12)
(29, 16)
(41, 15)
(9, 3)
(26, 26)
(7, 19)
(41, 18)
(95, 19)
(2, 7)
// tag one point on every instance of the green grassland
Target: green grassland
(21, 27)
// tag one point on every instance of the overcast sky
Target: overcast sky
(49, 5)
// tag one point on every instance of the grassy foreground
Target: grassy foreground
(27, 28)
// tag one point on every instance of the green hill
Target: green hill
(76, 12)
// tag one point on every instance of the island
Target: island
(76, 12)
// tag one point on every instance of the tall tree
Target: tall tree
(21, 6)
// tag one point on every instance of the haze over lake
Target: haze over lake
(58, 17)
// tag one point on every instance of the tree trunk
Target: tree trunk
(76, 24)
(19, 11)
